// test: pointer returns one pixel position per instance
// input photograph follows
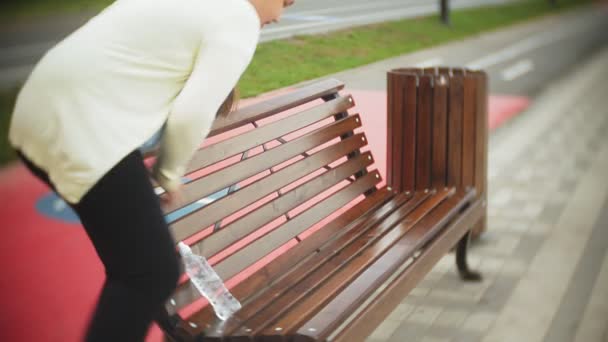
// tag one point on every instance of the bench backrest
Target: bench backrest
(279, 168)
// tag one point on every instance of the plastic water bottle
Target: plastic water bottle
(208, 283)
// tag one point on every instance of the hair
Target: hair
(230, 104)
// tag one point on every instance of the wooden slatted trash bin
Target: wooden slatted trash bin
(454, 102)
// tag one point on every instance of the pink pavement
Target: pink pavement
(51, 274)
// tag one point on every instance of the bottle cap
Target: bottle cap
(183, 248)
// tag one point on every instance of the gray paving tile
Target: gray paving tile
(385, 330)
(497, 294)
(528, 247)
(551, 213)
(465, 336)
(407, 332)
(451, 319)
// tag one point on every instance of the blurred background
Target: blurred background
(544, 254)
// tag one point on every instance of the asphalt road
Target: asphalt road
(22, 45)
(520, 61)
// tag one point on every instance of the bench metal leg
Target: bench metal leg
(465, 272)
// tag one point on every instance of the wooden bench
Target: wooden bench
(309, 243)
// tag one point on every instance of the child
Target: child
(97, 96)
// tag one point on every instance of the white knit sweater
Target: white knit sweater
(109, 86)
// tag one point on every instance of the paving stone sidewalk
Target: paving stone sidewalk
(544, 256)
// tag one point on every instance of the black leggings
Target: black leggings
(122, 216)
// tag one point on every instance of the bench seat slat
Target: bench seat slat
(329, 280)
(327, 253)
(278, 237)
(233, 174)
(328, 320)
(377, 203)
(248, 224)
(275, 105)
(228, 205)
(243, 142)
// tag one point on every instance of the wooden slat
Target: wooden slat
(228, 205)
(394, 132)
(233, 174)
(401, 129)
(278, 237)
(315, 292)
(480, 128)
(455, 123)
(424, 133)
(431, 71)
(275, 105)
(410, 138)
(246, 141)
(481, 166)
(335, 313)
(440, 102)
(285, 293)
(377, 204)
(447, 71)
(265, 214)
(468, 132)
(372, 315)
(390, 145)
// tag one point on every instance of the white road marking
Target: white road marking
(518, 69)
